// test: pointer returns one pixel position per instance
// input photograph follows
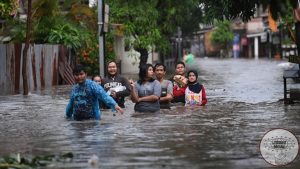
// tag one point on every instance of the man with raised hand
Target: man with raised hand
(83, 103)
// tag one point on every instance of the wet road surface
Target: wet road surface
(243, 104)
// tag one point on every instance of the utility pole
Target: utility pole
(101, 37)
(179, 40)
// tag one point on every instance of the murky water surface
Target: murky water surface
(243, 104)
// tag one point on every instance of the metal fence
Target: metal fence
(42, 66)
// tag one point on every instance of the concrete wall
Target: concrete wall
(131, 61)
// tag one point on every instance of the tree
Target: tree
(152, 23)
(228, 9)
(8, 8)
(223, 35)
(25, 50)
(245, 9)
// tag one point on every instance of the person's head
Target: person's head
(97, 79)
(79, 73)
(186, 51)
(146, 73)
(160, 70)
(112, 68)
(180, 68)
(192, 76)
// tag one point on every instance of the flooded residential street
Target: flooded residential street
(244, 102)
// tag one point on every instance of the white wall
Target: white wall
(131, 60)
(92, 3)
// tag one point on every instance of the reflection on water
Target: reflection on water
(243, 80)
(224, 134)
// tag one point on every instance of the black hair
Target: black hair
(112, 61)
(192, 71)
(143, 73)
(78, 68)
(179, 63)
(96, 76)
(160, 64)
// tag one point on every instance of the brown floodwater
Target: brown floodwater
(244, 102)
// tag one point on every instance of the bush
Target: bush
(67, 35)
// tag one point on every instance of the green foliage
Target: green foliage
(16, 29)
(288, 17)
(8, 8)
(42, 28)
(18, 162)
(243, 9)
(45, 8)
(89, 57)
(286, 23)
(109, 51)
(86, 18)
(65, 34)
(223, 35)
(278, 8)
(228, 9)
(149, 23)
(76, 29)
(83, 15)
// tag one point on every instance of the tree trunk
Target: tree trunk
(297, 32)
(25, 51)
(144, 55)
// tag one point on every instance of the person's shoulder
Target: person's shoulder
(74, 87)
(156, 82)
(89, 81)
(167, 81)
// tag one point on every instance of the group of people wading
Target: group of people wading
(148, 93)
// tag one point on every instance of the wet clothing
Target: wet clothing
(166, 88)
(195, 95)
(196, 88)
(118, 84)
(83, 103)
(147, 89)
(178, 93)
(188, 58)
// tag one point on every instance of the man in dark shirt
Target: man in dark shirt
(116, 85)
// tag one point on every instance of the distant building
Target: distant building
(258, 37)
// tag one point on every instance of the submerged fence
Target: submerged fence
(47, 65)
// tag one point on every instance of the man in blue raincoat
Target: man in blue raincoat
(83, 104)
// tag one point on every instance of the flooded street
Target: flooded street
(243, 104)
